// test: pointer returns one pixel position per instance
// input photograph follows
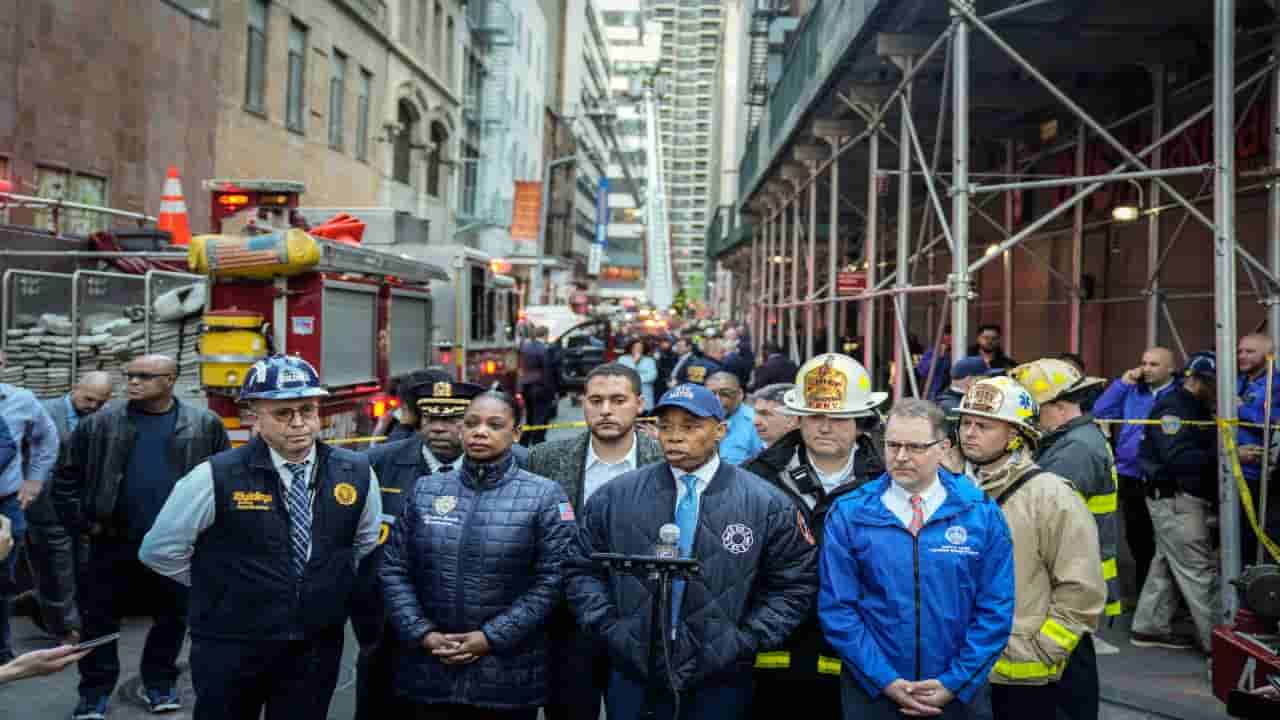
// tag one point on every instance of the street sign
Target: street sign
(850, 282)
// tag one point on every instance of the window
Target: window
(256, 57)
(402, 158)
(295, 97)
(439, 29)
(448, 53)
(337, 97)
(362, 114)
(435, 161)
(59, 184)
(470, 178)
(421, 32)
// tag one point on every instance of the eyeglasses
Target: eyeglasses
(145, 376)
(285, 416)
(893, 448)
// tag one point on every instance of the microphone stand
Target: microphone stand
(661, 571)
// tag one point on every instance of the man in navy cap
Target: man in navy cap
(758, 577)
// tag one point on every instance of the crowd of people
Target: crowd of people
(950, 557)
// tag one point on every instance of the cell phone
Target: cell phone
(91, 644)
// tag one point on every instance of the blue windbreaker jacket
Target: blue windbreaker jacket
(1128, 402)
(935, 606)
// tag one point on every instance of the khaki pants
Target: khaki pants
(1184, 565)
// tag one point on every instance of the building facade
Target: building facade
(634, 47)
(77, 124)
(691, 35)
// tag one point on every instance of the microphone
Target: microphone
(668, 546)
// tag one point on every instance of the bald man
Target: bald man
(54, 552)
(1253, 352)
(119, 467)
(1132, 397)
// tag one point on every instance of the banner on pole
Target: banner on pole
(596, 255)
(526, 214)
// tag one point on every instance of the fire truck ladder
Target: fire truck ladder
(658, 279)
(762, 16)
(336, 257)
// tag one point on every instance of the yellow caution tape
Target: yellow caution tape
(1191, 423)
(1246, 497)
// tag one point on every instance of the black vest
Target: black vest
(242, 582)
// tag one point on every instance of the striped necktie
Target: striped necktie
(917, 514)
(299, 501)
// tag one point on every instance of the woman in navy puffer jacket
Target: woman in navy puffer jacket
(470, 575)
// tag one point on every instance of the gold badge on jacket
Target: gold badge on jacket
(444, 504)
(345, 493)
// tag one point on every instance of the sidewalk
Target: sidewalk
(53, 697)
(1156, 682)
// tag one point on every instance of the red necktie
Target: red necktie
(917, 515)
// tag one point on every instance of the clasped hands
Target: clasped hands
(457, 648)
(924, 698)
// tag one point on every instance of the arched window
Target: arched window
(435, 161)
(402, 160)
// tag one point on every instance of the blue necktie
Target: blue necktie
(687, 521)
(299, 516)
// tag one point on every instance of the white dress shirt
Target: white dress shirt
(898, 500)
(189, 511)
(704, 475)
(598, 472)
(435, 463)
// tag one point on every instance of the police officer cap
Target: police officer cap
(1202, 364)
(445, 398)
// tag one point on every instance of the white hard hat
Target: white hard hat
(1002, 398)
(833, 385)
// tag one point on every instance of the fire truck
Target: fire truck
(360, 314)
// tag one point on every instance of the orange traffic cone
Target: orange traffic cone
(173, 210)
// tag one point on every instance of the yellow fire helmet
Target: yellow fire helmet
(1002, 398)
(1048, 380)
(833, 385)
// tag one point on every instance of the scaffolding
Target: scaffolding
(781, 187)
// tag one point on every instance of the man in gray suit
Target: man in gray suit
(51, 548)
(579, 669)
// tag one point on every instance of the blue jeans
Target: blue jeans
(10, 508)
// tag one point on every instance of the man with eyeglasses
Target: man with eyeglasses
(823, 459)
(917, 581)
(269, 538)
(741, 441)
(120, 465)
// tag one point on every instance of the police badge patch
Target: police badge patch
(444, 504)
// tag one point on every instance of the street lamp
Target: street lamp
(1129, 213)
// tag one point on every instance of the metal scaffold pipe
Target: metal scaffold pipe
(959, 279)
(1224, 286)
(869, 253)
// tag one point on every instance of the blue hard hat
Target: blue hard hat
(281, 377)
(1204, 364)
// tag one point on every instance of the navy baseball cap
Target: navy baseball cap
(694, 398)
(970, 366)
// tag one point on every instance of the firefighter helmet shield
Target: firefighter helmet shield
(281, 377)
(1003, 399)
(834, 385)
(1048, 380)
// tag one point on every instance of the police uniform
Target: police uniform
(697, 370)
(398, 466)
(263, 634)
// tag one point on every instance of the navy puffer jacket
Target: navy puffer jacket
(477, 549)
